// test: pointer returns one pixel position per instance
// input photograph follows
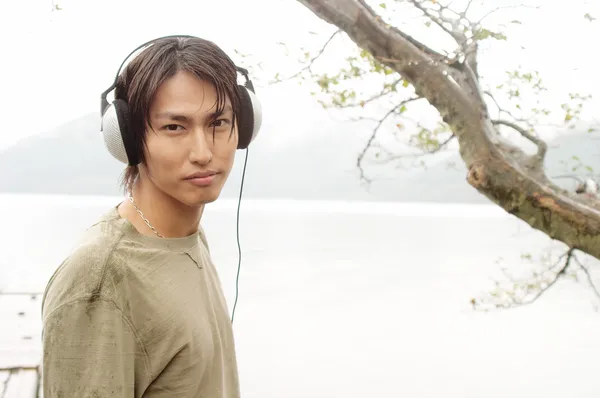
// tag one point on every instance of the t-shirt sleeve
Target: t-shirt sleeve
(90, 350)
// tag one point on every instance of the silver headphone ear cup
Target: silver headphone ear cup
(257, 110)
(250, 117)
(113, 138)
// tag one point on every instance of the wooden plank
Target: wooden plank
(41, 384)
(3, 381)
(20, 345)
(20, 330)
(21, 383)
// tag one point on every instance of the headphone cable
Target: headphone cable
(237, 279)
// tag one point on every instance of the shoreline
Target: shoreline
(402, 209)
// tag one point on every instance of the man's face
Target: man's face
(190, 148)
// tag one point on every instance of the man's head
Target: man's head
(183, 112)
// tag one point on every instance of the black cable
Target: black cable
(237, 279)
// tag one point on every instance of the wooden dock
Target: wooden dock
(20, 345)
(20, 382)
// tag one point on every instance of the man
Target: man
(136, 310)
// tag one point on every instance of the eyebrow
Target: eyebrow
(183, 118)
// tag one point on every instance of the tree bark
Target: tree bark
(499, 170)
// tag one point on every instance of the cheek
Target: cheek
(164, 158)
(226, 154)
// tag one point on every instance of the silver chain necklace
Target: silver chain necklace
(143, 217)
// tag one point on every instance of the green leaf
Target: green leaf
(483, 34)
(383, 5)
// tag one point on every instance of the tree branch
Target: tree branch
(464, 13)
(461, 30)
(391, 157)
(560, 273)
(542, 146)
(383, 93)
(509, 113)
(311, 62)
(440, 21)
(374, 134)
(457, 106)
(529, 290)
(504, 8)
(499, 172)
(589, 278)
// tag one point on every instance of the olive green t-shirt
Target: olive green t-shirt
(128, 315)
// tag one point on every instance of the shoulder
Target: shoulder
(203, 238)
(86, 271)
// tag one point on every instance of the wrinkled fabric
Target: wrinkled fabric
(128, 315)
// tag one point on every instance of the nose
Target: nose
(201, 147)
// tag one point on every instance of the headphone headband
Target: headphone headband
(104, 103)
(116, 119)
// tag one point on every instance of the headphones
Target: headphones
(116, 129)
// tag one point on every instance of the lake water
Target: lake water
(349, 299)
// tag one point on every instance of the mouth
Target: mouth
(202, 179)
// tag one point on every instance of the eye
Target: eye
(220, 123)
(172, 127)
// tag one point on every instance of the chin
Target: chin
(201, 196)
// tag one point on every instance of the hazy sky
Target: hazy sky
(55, 65)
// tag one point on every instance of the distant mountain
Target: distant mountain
(73, 160)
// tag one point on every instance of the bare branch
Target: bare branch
(560, 273)
(311, 62)
(542, 146)
(443, 144)
(391, 157)
(374, 134)
(464, 13)
(504, 8)
(589, 277)
(459, 28)
(519, 291)
(447, 8)
(502, 110)
(383, 93)
(440, 21)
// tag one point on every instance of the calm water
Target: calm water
(351, 300)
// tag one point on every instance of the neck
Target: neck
(169, 217)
